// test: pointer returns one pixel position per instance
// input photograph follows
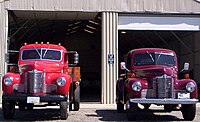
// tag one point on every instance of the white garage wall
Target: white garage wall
(3, 38)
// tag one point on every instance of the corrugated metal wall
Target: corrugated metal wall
(3, 38)
(109, 46)
(158, 6)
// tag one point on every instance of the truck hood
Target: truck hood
(41, 66)
(153, 71)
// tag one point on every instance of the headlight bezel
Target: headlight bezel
(8, 80)
(61, 81)
(190, 87)
(136, 86)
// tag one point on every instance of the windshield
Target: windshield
(154, 58)
(41, 54)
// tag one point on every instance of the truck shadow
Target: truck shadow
(150, 115)
(34, 115)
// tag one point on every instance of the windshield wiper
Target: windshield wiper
(45, 52)
(158, 57)
(150, 56)
(37, 52)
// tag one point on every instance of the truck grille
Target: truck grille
(163, 87)
(35, 81)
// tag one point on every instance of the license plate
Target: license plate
(33, 100)
(184, 95)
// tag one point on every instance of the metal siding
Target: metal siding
(158, 6)
(109, 46)
(3, 38)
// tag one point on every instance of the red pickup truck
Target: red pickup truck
(151, 77)
(43, 78)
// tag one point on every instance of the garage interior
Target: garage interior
(78, 31)
(184, 43)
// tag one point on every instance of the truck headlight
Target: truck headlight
(136, 86)
(190, 87)
(61, 81)
(8, 81)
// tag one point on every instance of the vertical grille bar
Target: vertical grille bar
(36, 81)
(163, 87)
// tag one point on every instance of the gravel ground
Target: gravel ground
(91, 112)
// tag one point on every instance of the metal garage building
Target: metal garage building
(160, 23)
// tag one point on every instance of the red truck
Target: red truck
(150, 76)
(43, 78)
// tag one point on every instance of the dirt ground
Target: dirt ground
(91, 112)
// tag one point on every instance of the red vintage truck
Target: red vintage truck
(43, 77)
(150, 76)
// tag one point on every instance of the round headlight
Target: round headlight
(136, 86)
(190, 87)
(8, 80)
(61, 81)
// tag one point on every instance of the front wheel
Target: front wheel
(120, 107)
(132, 110)
(8, 108)
(64, 110)
(188, 111)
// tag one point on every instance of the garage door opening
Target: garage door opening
(176, 32)
(79, 31)
(182, 42)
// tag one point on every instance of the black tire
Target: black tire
(77, 98)
(188, 111)
(132, 112)
(168, 108)
(64, 110)
(120, 107)
(8, 108)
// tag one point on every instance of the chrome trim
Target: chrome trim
(164, 101)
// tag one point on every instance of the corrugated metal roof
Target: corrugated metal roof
(160, 6)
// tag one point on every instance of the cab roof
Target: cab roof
(50, 46)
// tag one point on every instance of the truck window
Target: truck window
(41, 54)
(154, 58)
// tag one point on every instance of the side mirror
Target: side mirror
(186, 66)
(76, 58)
(122, 65)
(73, 58)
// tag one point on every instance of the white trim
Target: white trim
(159, 23)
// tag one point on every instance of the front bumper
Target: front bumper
(43, 98)
(163, 101)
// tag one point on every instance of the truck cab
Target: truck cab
(151, 77)
(43, 77)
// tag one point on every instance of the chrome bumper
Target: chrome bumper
(163, 101)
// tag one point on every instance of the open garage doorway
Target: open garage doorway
(78, 31)
(178, 33)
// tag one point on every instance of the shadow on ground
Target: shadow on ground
(34, 115)
(143, 115)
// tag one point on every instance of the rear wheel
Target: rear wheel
(64, 111)
(8, 109)
(77, 98)
(188, 111)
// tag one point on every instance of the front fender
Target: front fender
(135, 94)
(16, 80)
(64, 90)
(181, 85)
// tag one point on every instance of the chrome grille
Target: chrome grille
(35, 81)
(163, 87)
